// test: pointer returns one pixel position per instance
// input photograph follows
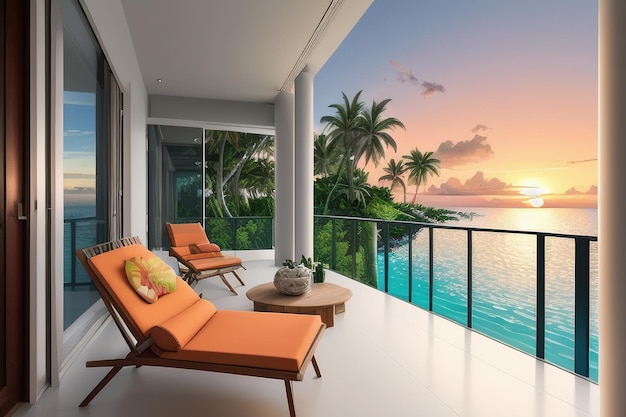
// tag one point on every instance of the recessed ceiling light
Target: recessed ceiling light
(159, 80)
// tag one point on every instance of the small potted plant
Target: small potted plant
(316, 267)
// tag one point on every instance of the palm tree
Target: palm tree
(344, 129)
(228, 153)
(360, 132)
(361, 187)
(325, 155)
(374, 133)
(394, 171)
(420, 166)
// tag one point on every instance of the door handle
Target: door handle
(20, 212)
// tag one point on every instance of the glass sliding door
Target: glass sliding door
(222, 179)
(175, 182)
(88, 154)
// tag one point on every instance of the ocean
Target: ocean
(504, 277)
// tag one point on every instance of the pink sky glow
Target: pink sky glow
(504, 94)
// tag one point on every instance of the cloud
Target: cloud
(75, 132)
(81, 176)
(80, 190)
(582, 161)
(79, 99)
(77, 155)
(593, 190)
(477, 185)
(430, 88)
(461, 153)
(405, 74)
(478, 128)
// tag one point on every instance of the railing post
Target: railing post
(541, 297)
(469, 278)
(333, 244)
(73, 252)
(234, 223)
(269, 237)
(353, 248)
(411, 228)
(386, 246)
(581, 308)
(431, 268)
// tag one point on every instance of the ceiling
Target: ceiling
(240, 50)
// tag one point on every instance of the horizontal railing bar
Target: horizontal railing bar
(475, 229)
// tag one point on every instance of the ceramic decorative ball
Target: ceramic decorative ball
(293, 281)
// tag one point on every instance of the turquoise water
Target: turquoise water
(504, 277)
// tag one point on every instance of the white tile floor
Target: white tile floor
(384, 357)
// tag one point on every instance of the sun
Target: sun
(533, 189)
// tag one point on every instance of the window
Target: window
(222, 179)
(91, 155)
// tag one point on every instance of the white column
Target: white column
(284, 208)
(612, 207)
(304, 164)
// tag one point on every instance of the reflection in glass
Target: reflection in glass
(85, 155)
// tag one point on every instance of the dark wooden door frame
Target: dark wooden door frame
(14, 228)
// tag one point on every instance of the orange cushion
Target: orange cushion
(180, 251)
(203, 261)
(177, 331)
(211, 248)
(188, 252)
(204, 264)
(184, 234)
(246, 338)
(109, 268)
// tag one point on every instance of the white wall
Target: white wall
(212, 114)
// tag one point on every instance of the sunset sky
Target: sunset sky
(504, 93)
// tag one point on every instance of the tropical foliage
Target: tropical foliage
(359, 132)
(239, 168)
(394, 172)
(239, 187)
(326, 156)
(354, 134)
(239, 184)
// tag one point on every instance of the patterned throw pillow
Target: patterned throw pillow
(150, 277)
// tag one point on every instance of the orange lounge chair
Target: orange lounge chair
(182, 330)
(201, 258)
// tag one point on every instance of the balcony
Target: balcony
(384, 356)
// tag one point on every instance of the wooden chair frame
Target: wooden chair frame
(140, 353)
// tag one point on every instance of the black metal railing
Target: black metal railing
(79, 232)
(391, 234)
(340, 242)
(237, 233)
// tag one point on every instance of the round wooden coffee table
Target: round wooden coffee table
(324, 299)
